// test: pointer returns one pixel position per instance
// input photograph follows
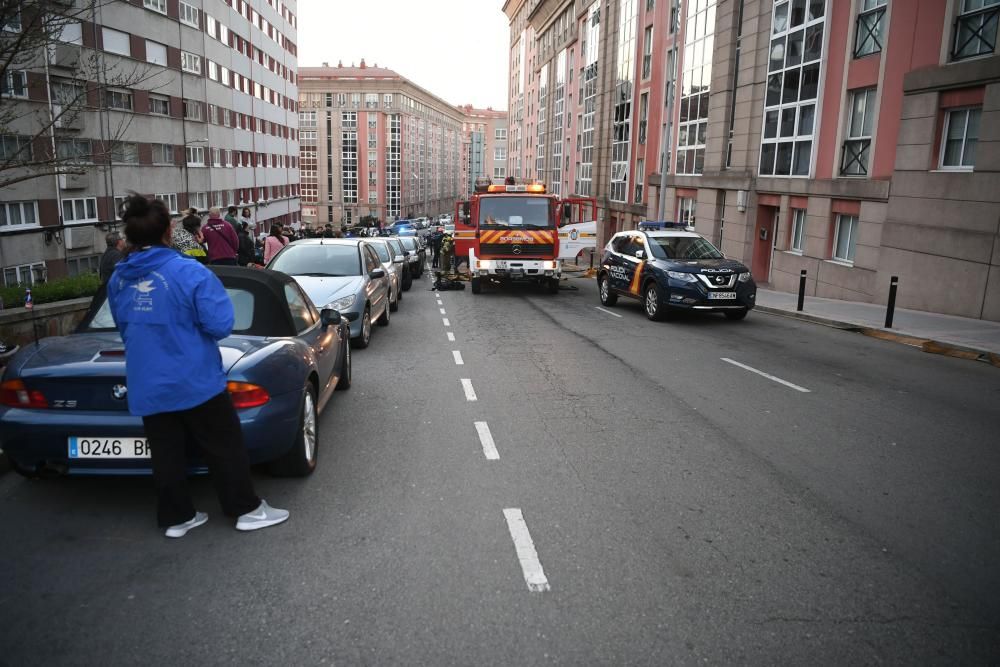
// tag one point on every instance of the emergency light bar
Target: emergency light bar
(534, 188)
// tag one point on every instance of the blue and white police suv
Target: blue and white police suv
(669, 267)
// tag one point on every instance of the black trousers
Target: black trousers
(215, 428)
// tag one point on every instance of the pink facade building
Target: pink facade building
(373, 143)
(855, 140)
(484, 144)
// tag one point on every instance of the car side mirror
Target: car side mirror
(329, 316)
(567, 211)
(398, 259)
(377, 273)
(640, 254)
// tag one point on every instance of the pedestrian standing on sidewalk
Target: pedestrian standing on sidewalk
(246, 254)
(274, 243)
(171, 313)
(114, 254)
(223, 243)
(232, 219)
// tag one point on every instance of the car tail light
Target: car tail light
(246, 395)
(15, 394)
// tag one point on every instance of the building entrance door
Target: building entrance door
(763, 245)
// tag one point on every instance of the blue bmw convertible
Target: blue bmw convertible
(63, 402)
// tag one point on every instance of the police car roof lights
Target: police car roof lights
(654, 225)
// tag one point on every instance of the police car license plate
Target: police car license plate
(722, 296)
(108, 448)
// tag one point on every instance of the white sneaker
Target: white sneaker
(262, 517)
(181, 529)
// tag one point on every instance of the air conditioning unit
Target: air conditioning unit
(66, 56)
(71, 119)
(77, 238)
(74, 181)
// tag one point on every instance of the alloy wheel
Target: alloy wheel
(309, 427)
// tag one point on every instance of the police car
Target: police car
(672, 268)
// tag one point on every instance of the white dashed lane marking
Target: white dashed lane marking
(486, 439)
(458, 358)
(440, 302)
(470, 393)
(534, 575)
(767, 375)
(451, 337)
(446, 322)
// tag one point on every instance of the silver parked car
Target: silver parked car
(393, 265)
(343, 274)
(415, 255)
(398, 248)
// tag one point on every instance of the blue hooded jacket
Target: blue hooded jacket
(171, 312)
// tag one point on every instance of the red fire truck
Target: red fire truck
(510, 232)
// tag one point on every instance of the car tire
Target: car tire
(552, 286)
(383, 320)
(736, 314)
(30, 473)
(394, 304)
(608, 298)
(407, 279)
(362, 341)
(300, 460)
(344, 383)
(477, 285)
(652, 302)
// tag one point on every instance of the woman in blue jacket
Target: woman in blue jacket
(171, 312)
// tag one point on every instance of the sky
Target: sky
(455, 49)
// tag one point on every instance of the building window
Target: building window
(79, 266)
(79, 210)
(647, 52)
(118, 99)
(18, 214)
(500, 153)
(643, 116)
(74, 150)
(189, 15)
(195, 156)
(15, 147)
(500, 134)
(685, 210)
(976, 28)
(640, 179)
(699, 40)
(961, 134)
(870, 29)
(163, 154)
(14, 83)
(169, 199)
(156, 53)
(159, 105)
(795, 53)
(857, 146)
(798, 227)
(650, 4)
(499, 172)
(190, 62)
(845, 238)
(192, 110)
(199, 200)
(125, 152)
(156, 5)
(116, 42)
(25, 274)
(621, 138)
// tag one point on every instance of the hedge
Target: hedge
(60, 289)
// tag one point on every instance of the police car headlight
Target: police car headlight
(745, 276)
(682, 276)
(344, 303)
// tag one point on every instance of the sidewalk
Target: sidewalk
(943, 334)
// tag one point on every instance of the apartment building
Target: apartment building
(375, 144)
(484, 145)
(209, 118)
(853, 139)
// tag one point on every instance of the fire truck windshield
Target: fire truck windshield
(511, 212)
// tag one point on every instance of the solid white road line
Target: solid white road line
(458, 358)
(607, 311)
(534, 575)
(446, 322)
(767, 375)
(451, 337)
(486, 438)
(470, 393)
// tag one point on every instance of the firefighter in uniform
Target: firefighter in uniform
(447, 252)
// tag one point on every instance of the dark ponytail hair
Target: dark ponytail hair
(276, 229)
(146, 222)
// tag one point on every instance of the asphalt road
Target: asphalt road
(637, 500)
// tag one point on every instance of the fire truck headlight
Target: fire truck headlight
(484, 264)
(550, 265)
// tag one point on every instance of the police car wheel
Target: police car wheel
(608, 298)
(653, 303)
(736, 314)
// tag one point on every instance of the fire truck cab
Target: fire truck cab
(510, 232)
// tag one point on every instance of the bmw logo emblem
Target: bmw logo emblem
(119, 391)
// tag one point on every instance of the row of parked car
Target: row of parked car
(64, 401)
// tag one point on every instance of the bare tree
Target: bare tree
(49, 79)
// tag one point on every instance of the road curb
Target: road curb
(925, 344)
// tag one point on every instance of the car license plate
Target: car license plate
(108, 448)
(500, 264)
(722, 296)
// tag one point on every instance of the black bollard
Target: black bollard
(802, 290)
(890, 309)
